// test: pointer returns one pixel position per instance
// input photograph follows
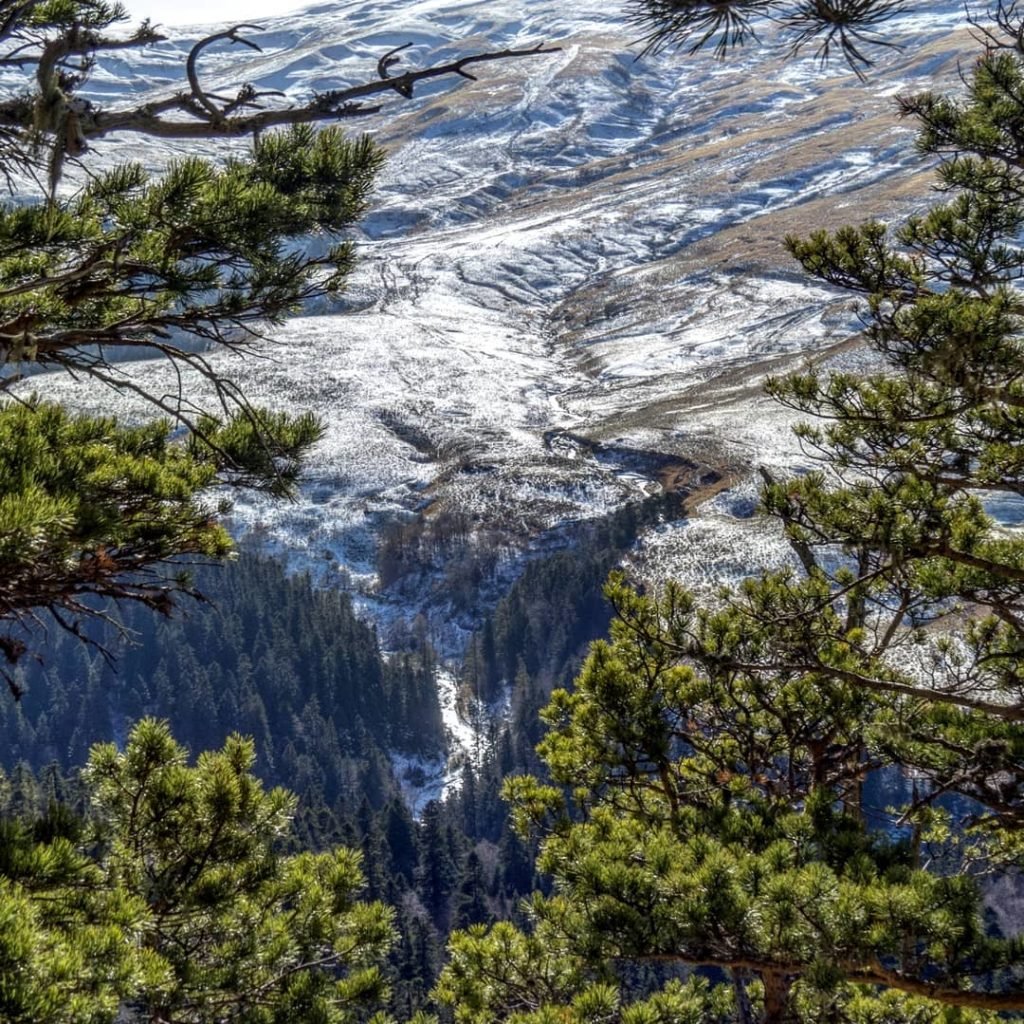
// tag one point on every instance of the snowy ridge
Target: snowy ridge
(563, 244)
(575, 244)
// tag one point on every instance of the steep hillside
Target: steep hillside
(572, 280)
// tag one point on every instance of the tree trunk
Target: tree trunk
(777, 1008)
(744, 1007)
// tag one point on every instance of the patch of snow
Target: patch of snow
(578, 242)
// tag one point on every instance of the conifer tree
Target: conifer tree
(469, 899)
(182, 908)
(205, 254)
(722, 758)
(400, 835)
(437, 872)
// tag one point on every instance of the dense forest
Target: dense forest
(795, 799)
(269, 655)
(264, 653)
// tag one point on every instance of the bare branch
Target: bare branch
(202, 98)
(1008, 33)
(389, 60)
(327, 106)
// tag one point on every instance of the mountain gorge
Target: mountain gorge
(583, 679)
(570, 288)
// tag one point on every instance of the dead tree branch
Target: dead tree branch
(327, 106)
(201, 97)
(71, 123)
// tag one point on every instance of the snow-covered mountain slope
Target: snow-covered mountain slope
(577, 247)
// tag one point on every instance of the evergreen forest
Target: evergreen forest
(797, 799)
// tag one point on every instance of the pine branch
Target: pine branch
(843, 27)
(328, 106)
(871, 974)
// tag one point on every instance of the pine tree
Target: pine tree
(469, 900)
(723, 757)
(437, 871)
(183, 908)
(400, 837)
(205, 253)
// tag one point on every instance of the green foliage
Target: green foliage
(68, 946)
(70, 483)
(714, 773)
(199, 249)
(502, 974)
(182, 907)
(91, 508)
(495, 973)
(256, 448)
